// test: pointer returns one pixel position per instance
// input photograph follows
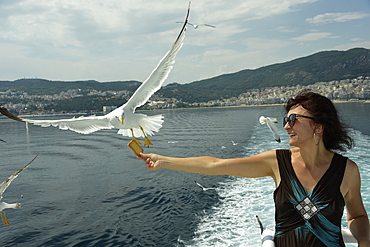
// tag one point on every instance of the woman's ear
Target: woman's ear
(318, 128)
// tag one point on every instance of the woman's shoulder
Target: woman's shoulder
(287, 152)
(271, 154)
(351, 167)
(351, 178)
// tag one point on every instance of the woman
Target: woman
(313, 183)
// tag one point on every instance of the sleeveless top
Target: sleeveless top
(309, 219)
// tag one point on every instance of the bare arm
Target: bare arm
(260, 165)
(358, 221)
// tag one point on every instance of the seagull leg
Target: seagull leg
(147, 142)
(4, 219)
(133, 137)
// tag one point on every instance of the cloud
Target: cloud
(104, 27)
(314, 36)
(249, 9)
(70, 22)
(284, 29)
(336, 17)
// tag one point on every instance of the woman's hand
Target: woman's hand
(151, 161)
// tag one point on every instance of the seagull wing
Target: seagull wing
(273, 128)
(82, 125)
(199, 184)
(6, 113)
(207, 25)
(155, 80)
(273, 119)
(190, 24)
(4, 185)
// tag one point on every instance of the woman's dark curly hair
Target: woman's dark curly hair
(335, 134)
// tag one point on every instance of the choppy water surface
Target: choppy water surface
(90, 190)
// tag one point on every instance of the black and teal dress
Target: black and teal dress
(309, 219)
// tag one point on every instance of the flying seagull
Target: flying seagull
(3, 186)
(124, 117)
(270, 123)
(205, 189)
(196, 26)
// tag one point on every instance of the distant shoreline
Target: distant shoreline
(203, 107)
(238, 106)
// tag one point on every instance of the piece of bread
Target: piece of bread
(135, 147)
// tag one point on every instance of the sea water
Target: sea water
(90, 190)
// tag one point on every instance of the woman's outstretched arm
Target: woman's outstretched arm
(260, 165)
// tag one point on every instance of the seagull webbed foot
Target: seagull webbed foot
(4, 219)
(147, 142)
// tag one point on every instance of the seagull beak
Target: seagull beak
(121, 120)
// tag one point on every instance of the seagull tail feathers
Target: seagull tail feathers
(150, 124)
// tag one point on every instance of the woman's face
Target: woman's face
(301, 133)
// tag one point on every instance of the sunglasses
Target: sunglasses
(292, 118)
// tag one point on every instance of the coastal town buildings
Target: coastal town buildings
(343, 90)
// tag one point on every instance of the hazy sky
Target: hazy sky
(118, 40)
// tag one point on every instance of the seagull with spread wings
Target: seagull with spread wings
(124, 117)
(3, 186)
(204, 188)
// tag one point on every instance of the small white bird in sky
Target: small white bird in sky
(270, 123)
(3, 186)
(197, 26)
(124, 117)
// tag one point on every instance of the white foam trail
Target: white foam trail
(233, 220)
